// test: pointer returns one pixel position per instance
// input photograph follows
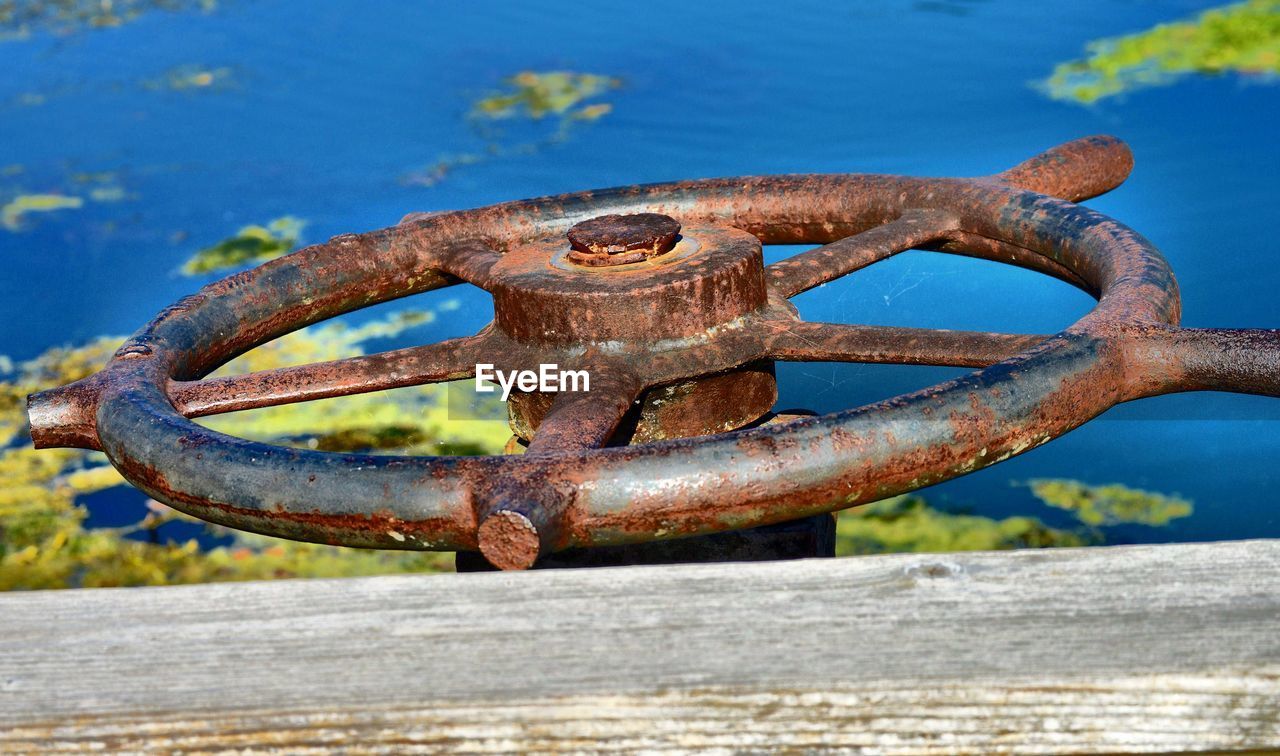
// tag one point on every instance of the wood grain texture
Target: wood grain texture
(1153, 648)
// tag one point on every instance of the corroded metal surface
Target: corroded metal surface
(707, 318)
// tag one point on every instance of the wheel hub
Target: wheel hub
(711, 277)
(675, 290)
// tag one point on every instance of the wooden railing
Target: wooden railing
(1160, 648)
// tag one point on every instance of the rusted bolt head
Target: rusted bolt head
(509, 541)
(621, 239)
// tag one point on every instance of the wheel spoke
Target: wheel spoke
(836, 342)
(586, 419)
(469, 260)
(828, 262)
(443, 361)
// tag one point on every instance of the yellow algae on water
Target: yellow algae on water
(1241, 38)
(593, 112)
(108, 194)
(250, 244)
(537, 94)
(20, 18)
(1112, 504)
(11, 215)
(910, 524)
(191, 77)
(563, 98)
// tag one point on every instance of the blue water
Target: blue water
(330, 104)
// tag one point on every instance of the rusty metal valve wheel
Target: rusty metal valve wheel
(661, 294)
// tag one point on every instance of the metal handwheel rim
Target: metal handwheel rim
(669, 488)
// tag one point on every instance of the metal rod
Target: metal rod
(826, 263)
(444, 361)
(838, 342)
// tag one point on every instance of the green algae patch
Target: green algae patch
(1243, 38)
(19, 19)
(910, 524)
(13, 213)
(191, 77)
(251, 244)
(108, 194)
(70, 191)
(534, 110)
(103, 186)
(592, 112)
(1112, 504)
(536, 95)
(187, 78)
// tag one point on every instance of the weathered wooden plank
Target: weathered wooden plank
(1128, 648)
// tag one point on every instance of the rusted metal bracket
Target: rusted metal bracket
(670, 308)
